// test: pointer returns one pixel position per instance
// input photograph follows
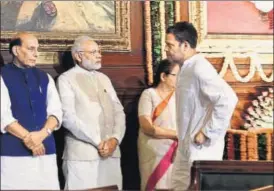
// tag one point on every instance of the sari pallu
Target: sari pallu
(156, 155)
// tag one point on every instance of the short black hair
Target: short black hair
(14, 42)
(184, 31)
(165, 66)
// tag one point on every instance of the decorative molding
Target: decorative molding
(47, 58)
(255, 66)
(221, 42)
(61, 41)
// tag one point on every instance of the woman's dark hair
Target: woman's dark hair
(184, 31)
(164, 66)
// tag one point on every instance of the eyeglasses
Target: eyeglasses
(92, 52)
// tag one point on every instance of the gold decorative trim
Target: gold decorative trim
(220, 42)
(47, 58)
(148, 37)
(61, 41)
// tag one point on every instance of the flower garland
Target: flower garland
(260, 113)
(253, 143)
(158, 16)
(156, 32)
(161, 14)
(148, 38)
(162, 28)
(169, 13)
(243, 145)
(230, 147)
(269, 146)
(255, 65)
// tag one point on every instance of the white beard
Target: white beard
(88, 65)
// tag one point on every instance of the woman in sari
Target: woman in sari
(157, 141)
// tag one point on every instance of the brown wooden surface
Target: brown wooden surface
(184, 10)
(239, 166)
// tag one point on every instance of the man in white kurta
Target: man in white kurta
(95, 120)
(30, 111)
(205, 104)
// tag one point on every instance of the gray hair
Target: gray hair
(77, 46)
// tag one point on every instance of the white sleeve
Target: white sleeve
(54, 107)
(119, 118)
(6, 114)
(70, 120)
(145, 104)
(222, 98)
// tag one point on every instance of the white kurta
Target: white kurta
(204, 102)
(29, 173)
(87, 127)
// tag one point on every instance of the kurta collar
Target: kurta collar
(23, 69)
(191, 60)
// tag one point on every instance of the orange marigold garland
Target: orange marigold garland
(148, 37)
(230, 147)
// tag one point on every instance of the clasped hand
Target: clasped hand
(33, 141)
(107, 147)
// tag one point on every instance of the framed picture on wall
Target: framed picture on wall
(236, 25)
(58, 23)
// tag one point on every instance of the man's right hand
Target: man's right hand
(39, 150)
(34, 139)
(102, 149)
(200, 138)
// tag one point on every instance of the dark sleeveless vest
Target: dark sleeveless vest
(28, 95)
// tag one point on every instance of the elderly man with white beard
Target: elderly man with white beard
(94, 119)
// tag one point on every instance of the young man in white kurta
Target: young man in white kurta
(204, 101)
(95, 120)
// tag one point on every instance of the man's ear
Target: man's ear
(78, 57)
(187, 45)
(15, 50)
(184, 45)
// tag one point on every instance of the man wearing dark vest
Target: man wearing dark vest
(30, 111)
